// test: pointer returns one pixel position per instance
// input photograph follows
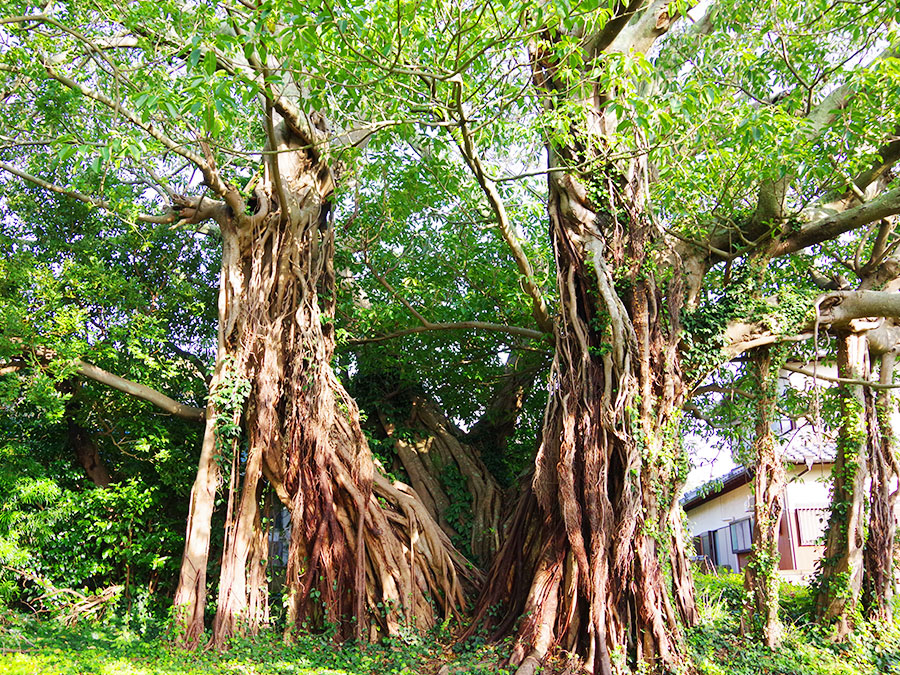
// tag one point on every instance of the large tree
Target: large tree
(677, 183)
(146, 109)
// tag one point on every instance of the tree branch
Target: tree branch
(140, 391)
(837, 224)
(838, 380)
(429, 326)
(470, 154)
(169, 217)
(211, 176)
(643, 28)
(460, 325)
(97, 374)
(623, 13)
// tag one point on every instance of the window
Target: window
(741, 535)
(704, 546)
(811, 526)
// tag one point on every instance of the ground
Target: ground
(138, 646)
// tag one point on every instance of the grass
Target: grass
(716, 647)
(30, 647)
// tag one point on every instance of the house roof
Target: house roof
(741, 475)
(717, 486)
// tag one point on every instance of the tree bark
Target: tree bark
(364, 555)
(190, 595)
(879, 553)
(87, 454)
(602, 510)
(761, 574)
(610, 466)
(427, 460)
(841, 569)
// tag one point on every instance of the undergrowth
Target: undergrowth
(717, 647)
(29, 647)
(118, 647)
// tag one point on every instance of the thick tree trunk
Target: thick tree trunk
(364, 555)
(432, 460)
(878, 557)
(610, 465)
(454, 473)
(841, 570)
(761, 574)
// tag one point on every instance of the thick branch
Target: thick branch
(841, 307)
(459, 325)
(835, 225)
(97, 374)
(834, 310)
(140, 391)
(643, 29)
(623, 13)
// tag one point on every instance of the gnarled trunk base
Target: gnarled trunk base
(364, 554)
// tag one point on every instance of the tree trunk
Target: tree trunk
(364, 555)
(841, 568)
(87, 454)
(878, 557)
(80, 439)
(761, 574)
(454, 473)
(610, 466)
(190, 595)
(432, 460)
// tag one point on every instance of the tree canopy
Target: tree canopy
(363, 262)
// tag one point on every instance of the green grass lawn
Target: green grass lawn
(28, 647)
(716, 647)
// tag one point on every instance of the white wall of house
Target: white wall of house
(806, 490)
(721, 511)
(807, 500)
(717, 515)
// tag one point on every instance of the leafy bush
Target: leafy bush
(718, 648)
(722, 588)
(54, 538)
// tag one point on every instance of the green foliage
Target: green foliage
(747, 294)
(49, 648)
(57, 537)
(459, 512)
(718, 648)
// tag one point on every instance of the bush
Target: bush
(55, 540)
(718, 648)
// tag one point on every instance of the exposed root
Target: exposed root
(365, 555)
(427, 458)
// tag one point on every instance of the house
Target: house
(720, 514)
